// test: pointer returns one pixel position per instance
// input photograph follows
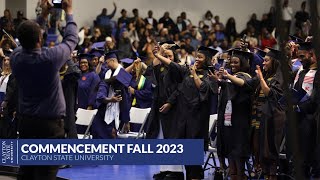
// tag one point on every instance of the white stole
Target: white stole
(228, 111)
(4, 82)
(113, 108)
(307, 84)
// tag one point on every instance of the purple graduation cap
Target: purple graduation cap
(260, 53)
(124, 77)
(97, 52)
(127, 61)
(111, 54)
(98, 45)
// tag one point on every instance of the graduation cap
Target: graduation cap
(209, 52)
(127, 61)
(295, 38)
(260, 53)
(98, 45)
(111, 54)
(305, 46)
(275, 54)
(230, 51)
(85, 56)
(174, 45)
(124, 77)
(7, 53)
(240, 54)
(97, 52)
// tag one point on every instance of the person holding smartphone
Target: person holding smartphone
(113, 100)
(195, 86)
(233, 140)
(42, 107)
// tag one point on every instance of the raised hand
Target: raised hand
(193, 69)
(258, 72)
(156, 50)
(137, 61)
(67, 6)
(101, 59)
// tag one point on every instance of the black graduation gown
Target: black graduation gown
(9, 124)
(165, 85)
(308, 121)
(70, 88)
(192, 105)
(234, 141)
(272, 122)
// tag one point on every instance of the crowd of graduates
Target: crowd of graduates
(185, 74)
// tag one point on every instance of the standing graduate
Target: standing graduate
(9, 100)
(141, 89)
(113, 101)
(69, 75)
(160, 120)
(5, 74)
(307, 84)
(96, 53)
(268, 117)
(192, 101)
(87, 83)
(234, 114)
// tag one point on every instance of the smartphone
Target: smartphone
(211, 68)
(217, 66)
(117, 92)
(57, 4)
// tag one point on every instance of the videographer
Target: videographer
(42, 105)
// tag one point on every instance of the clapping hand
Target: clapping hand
(258, 72)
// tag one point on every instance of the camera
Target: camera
(57, 4)
(117, 92)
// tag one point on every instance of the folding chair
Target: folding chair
(211, 147)
(85, 118)
(137, 116)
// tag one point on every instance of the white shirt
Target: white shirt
(150, 20)
(287, 13)
(4, 82)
